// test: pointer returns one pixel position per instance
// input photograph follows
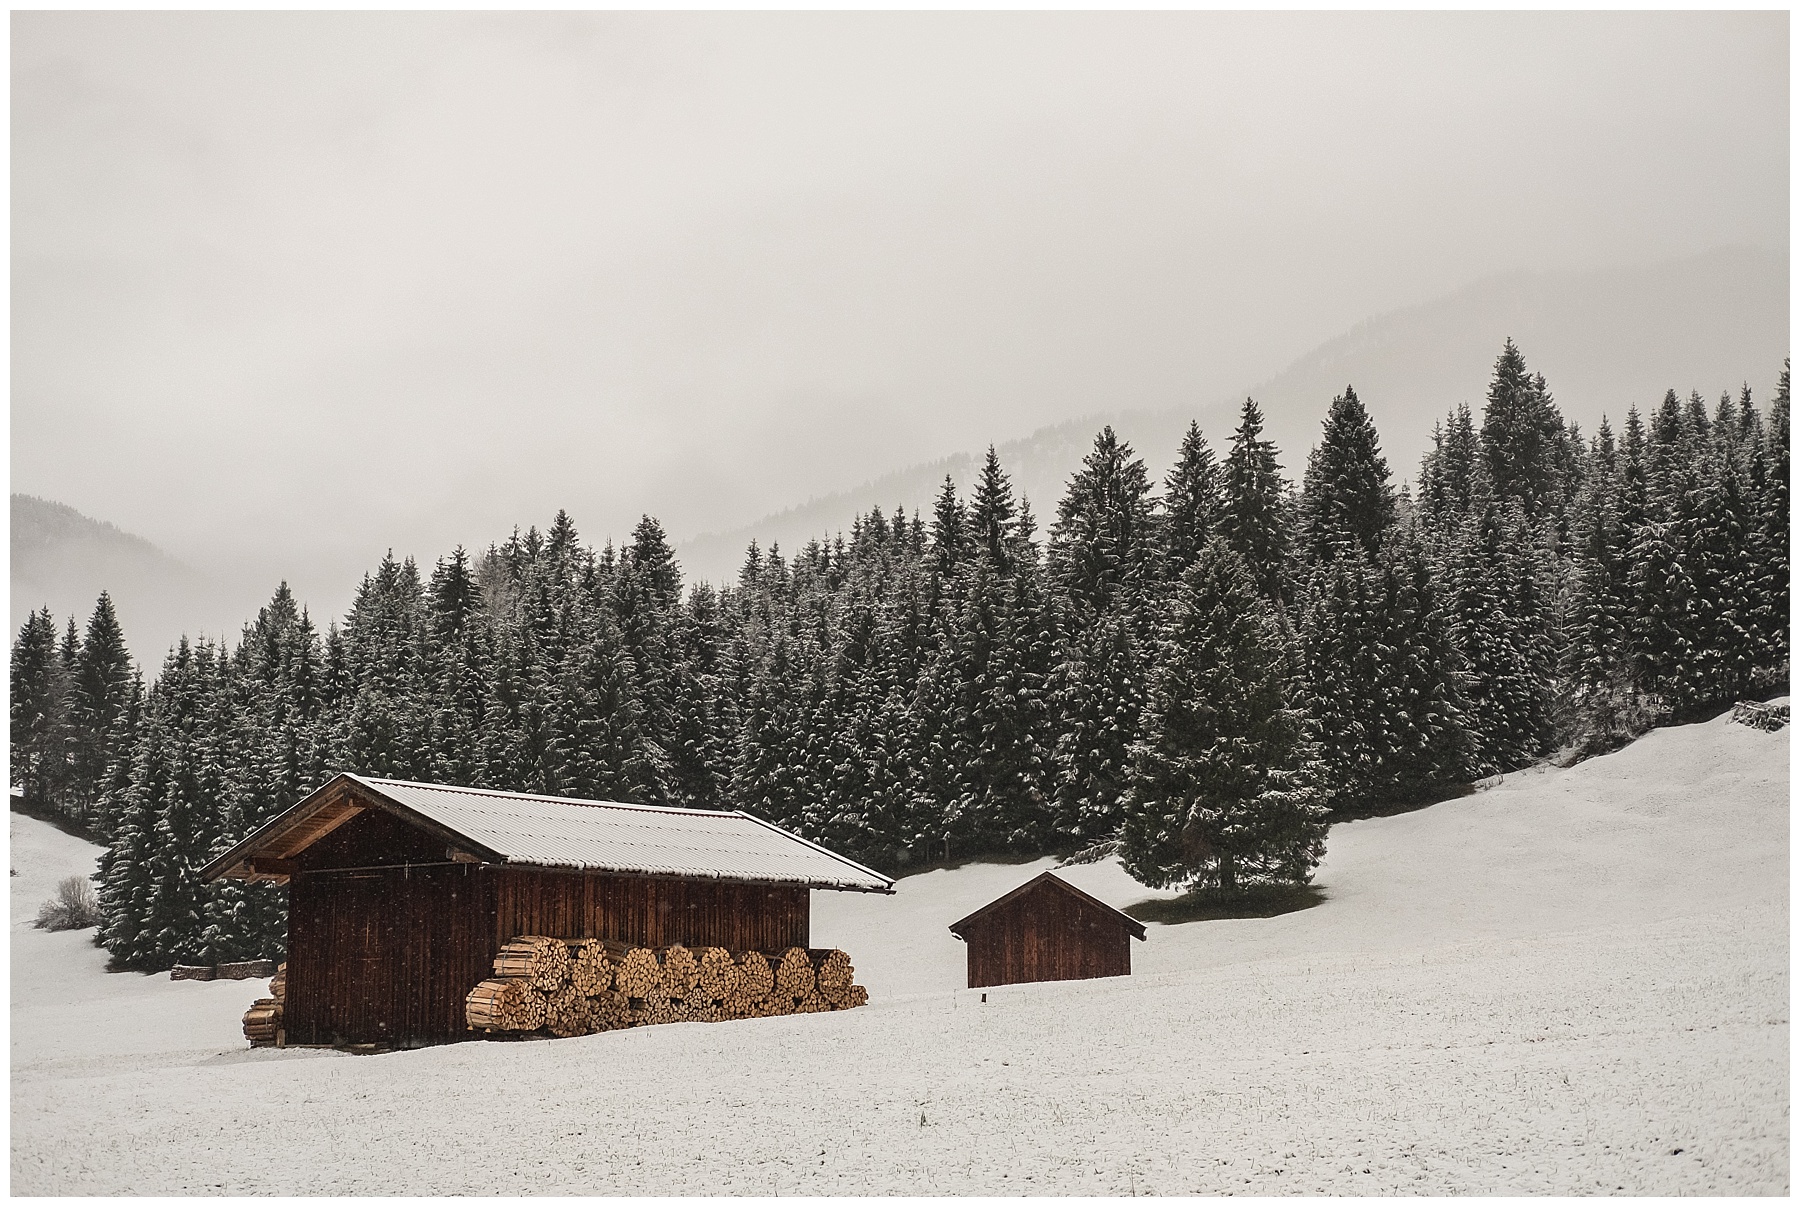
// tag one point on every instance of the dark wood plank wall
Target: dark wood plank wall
(651, 911)
(387, 955)
(1046, 935)
(373, 836)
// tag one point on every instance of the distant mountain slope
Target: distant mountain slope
(64, 559)
(1604, 340)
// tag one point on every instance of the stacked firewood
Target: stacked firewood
(262, 1022)
(579, 986)
(1759, 716)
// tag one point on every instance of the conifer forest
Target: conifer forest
(1196, 672)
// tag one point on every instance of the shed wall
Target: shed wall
(383, 956)
(652, 912)
(1047, 935)
(390, 955)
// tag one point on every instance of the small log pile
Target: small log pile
(262, 1022)
(237, 970)
(1760, 716)
(542, 961)
(581, 986)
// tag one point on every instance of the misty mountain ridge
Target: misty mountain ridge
(1604, 340)
(63, 559)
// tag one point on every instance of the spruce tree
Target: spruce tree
(991, 514)
(650, 556)
(698, 744)
(949, 530)
(1222, 791)
(1447, 475)
(1596, 674)
(605, 752)
(126, 887)
(1347, 501)
(1498, 620)
(1382, 679)
(1098, 688)
(39, 710)
(1522, 438)
(937, 736)
(184, 816)
(768, 776)
(1192, 503)
(100, 702)
(1254, 519)
(1003, 665)
(1101, 544)
(1769, 624)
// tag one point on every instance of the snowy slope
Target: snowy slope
(1570, 982)
(65, 1007)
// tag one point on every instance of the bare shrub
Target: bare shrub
(73, 908)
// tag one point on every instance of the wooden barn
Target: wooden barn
(1046, 930)
(400, 894)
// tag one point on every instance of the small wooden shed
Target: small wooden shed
(401, 894)
(1046, 930)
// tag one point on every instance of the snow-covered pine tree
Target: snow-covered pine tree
(1344, 654)
(650, 555)
(64, 789)
(125, 888)
(99, 712)
(645, 595)
(768, 777)
(1599, 698)
(1347, 501)
(1523, 438)
(992, 509)
(185, 815)
(1769, 623)
(603, 751)
(1447, 476)
(936, 735)
(1382, 678)
(1003, 663)
(457, 665)
(867, 781)
(39, 710)
(1432, 742)
(123, 742)
(698, 745)
(1223, 784)
(1102, 568)
(1499, 622)
(1101, 553)
(1098, 688)
(1254, 520)
(1714, 540)
(1191, 504)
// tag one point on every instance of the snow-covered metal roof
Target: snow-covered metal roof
(560, 832)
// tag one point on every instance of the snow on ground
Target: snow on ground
(1573, 981)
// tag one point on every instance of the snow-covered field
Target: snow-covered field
(1570, 982)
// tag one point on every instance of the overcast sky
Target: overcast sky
(289, 289)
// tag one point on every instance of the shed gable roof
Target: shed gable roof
(559, 832)
(1047, 882)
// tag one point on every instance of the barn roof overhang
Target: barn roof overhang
(500, 829)
(1047, 879)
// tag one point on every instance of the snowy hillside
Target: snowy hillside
(1569, 982)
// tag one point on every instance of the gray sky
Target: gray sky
(289, 289)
